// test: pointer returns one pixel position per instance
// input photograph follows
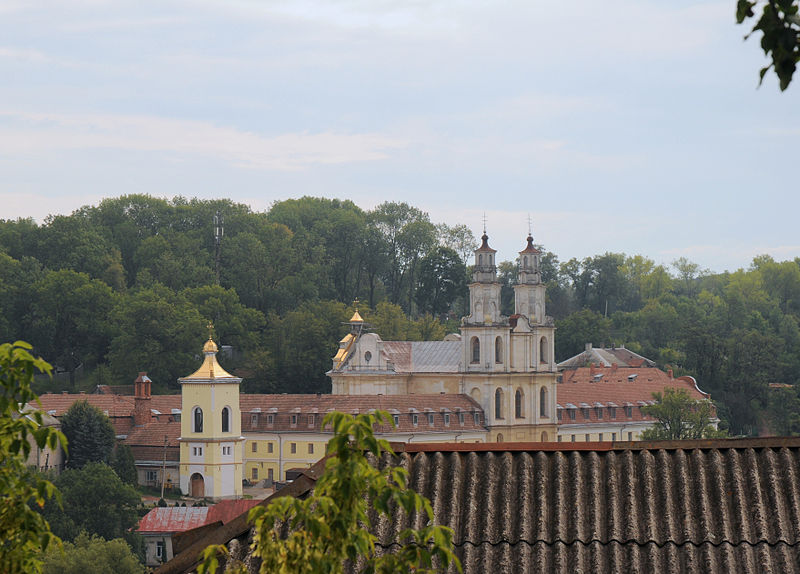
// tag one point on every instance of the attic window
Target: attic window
(254, 420)
(629, 411)
(571, 413)
(585, 413)
(415, 419)
(612, 412)
(311, 420)
(596, 378)
(396, 419)
(446, 419)
(477, 417)
(599, 412)
(367, 357)
(632, 378)
(270, 419)
(461, 419)
(430, 419)
(294, 420)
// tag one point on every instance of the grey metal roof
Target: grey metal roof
(620, 356)
(424, 356)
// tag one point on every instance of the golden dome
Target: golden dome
(356, 318)
(210, 346)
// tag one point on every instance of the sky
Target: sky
(616, 126)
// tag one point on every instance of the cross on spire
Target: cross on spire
(484, 223)
(530, 225)
(355, 303)
(210, 328)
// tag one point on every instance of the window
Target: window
(559, 438)
(294, 420)
(226, 450)
(254, 446)
(270, 474)
(311, 448)
(151, 475)
(270, 418)
(226, 419)
(461, 419)
(415, 419)
(160, 548)
(543, 402)
(498, 350)
(571, 413)
(559, 414)
(253, 420)
(600, 437)
(587, 437)
(585, 413)
(477, 417)
(498, 404)
(475, 345)
(599, 412)
(311, 420)
(613, 436)
(430, 419)
(447, 419)
(543, 350)
(293, 448)
(630, 436)
(572, 438)
(396, 420)
(254, 473)
(518, 412)
(197, 419)
(269, 447)
(367, 357)
(629, 411)
(612, 412)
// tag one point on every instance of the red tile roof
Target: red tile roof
(591, 387)
(181, 519)
(226, 510)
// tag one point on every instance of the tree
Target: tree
(679, 416)
(92, 554)
(332, 525)
(95, 500)
(442, 277)
(123, 463)
(23, 531)
(90, 434)
(780, 35)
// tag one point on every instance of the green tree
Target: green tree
(95, 500)
(90, 434)
(124, 464)
(585, 326)
(24, 532)
(780, 35)
(679, 416)
(441, 280)
(331, 527)
(92, 554)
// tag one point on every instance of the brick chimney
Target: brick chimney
(141, 398)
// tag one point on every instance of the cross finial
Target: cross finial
(210, 328)
(530, 225)
(355, 303)
(484, 223)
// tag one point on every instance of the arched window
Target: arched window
(543, 402)
(226, 419)
(476, 350)
(543, 350)
(480, 258)
(197, 419)
(500, 437)
(498, 350)
(518, 404)
(498, 404)
(525, 261)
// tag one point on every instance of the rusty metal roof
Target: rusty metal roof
(173, 519)
(424, 356)
(685, 506)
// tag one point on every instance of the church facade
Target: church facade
(504, 363)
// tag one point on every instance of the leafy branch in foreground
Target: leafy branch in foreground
(780, 40)
(331, 527)
(24, 533)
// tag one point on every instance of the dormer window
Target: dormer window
(430, 419)
(415, 419)
(396, 420)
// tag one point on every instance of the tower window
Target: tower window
(226, 419)
(197, 419)
(475, 344)
(518, 404)
(543, 350)
(543, 402)
(498, 404)
(498, 350)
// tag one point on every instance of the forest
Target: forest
(131, 284)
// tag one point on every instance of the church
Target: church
(505, 364)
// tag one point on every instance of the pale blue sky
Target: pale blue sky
(620, 125)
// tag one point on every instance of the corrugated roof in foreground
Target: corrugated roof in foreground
(704, 506)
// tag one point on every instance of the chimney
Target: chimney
(613, 367)
(588, 347)
(141, 400)
(669, 372)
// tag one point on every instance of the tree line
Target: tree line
(129, 285)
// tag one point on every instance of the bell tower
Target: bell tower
(529, 291)
(211, 436)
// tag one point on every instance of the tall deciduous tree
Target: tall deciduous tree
(92, 554)
(124, 464)
(441, 280)
(90, 434)
(94, 500)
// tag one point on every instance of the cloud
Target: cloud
(32, 133)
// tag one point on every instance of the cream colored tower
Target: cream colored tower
(211, 435)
